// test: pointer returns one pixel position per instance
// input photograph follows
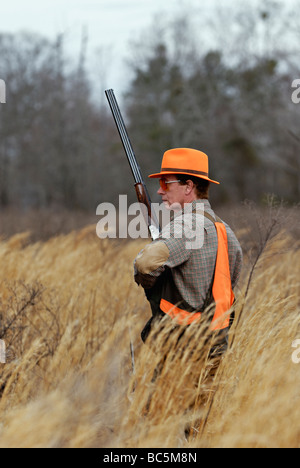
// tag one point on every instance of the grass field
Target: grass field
(69, 310)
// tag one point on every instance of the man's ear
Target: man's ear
(189, 186)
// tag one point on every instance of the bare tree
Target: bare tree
(232, 100)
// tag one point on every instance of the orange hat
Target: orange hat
(184, 161)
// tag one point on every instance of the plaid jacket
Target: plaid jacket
(192, 269)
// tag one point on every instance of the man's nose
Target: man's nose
(160, 191)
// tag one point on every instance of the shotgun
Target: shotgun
(140, 186)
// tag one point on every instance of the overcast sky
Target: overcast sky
(109, 25)
(108, 21)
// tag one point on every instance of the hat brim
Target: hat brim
(161, 174)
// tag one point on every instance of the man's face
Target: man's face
(174, 195)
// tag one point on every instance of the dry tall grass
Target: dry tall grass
(68, 313)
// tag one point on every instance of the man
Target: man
(182, 279)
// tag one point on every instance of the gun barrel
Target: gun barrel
(136, 171)
(140, 186)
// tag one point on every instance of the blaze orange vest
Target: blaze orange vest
(221, 290)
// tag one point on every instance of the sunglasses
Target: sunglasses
(164, 184)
